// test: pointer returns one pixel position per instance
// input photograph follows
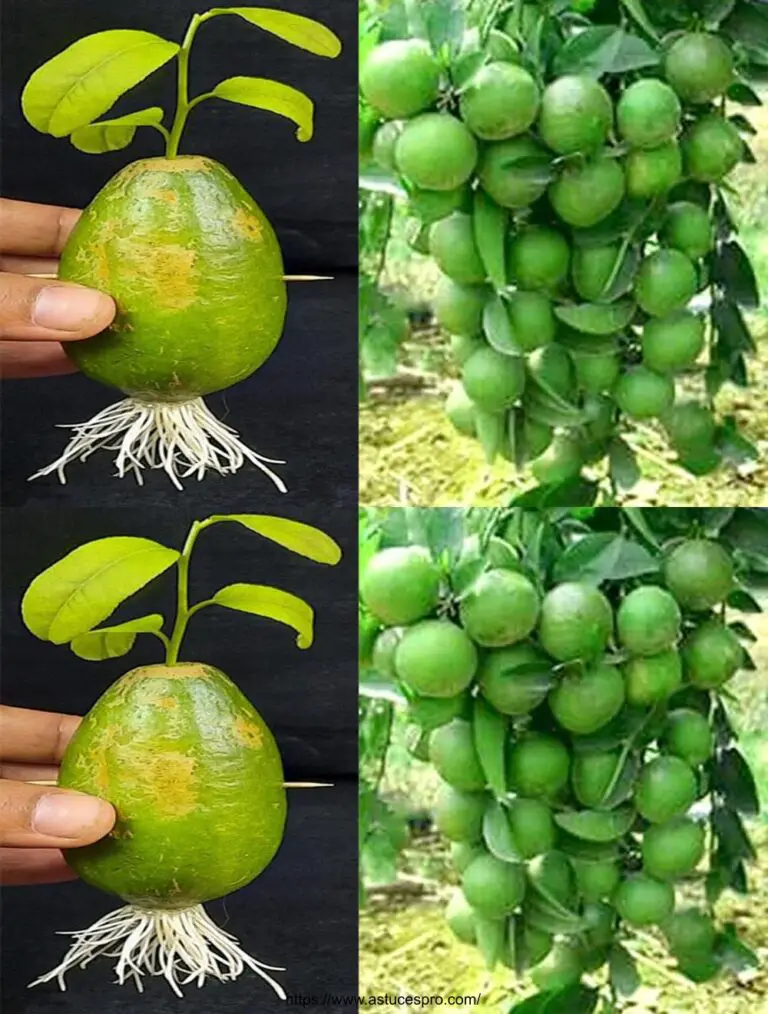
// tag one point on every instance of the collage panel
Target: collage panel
(563, 758)
(563, 272)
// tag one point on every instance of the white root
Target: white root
(182, 946)
(182, 439)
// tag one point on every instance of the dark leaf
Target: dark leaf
(734, 272)
(731, 328)
(491, 939)
(624, 470)
(636, 10)
(733, 778)
(592, 51)
(732, 953)
(623, 971)
(490, 732)
(743, 94)
(732, 837)
(498, 328)
(491, 432)
(743, 601)
(732, 445)
(743, 124)
(490, 228)
(575, 999)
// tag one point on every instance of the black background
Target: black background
(302, 404)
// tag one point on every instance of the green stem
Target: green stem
(183, 610)
(183, 105)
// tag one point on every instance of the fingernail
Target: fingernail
(66, 814)
(65, 307)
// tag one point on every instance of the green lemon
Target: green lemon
(654, 171)
(562, 460)
(648, 621)
(516, 679)
(648, 114)
(538, 766)
(576, 622)
(460, 410)
(493, 381)
(688, 228)
(452, 244)
(500, 608)
(643, 901)
(400, 78)
(597, 880)
(492, 887)
(459, 308)
(453, 755)
(576, 115)
(532, 827)
(463, 852)
(515, 173)
(532, 319)
(592, 775)
(673, 343)
(688, 735)
(552, 366)
(691, 429)
(585, 195)
(539, 258)
(673, 849)
(666, 788)
(463, 346)
(500, 101)
(592, 270)
(712, 654)
(461, 918)
(699, 573)
(642, 394)
(711, 148)
(400, 585)
(562, 967)
(435, 658)
(699, 66)
(653, 678)
(459, 815)
(436, 151)
(585, 701)
(690, 933)
(597, 373)
(666, 281)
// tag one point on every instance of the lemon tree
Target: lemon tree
(570, 688)
(577, 166)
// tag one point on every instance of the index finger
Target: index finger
(34, 230)
(39, 736)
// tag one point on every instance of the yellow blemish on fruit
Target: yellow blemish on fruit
(166, 270)
(248, 733)
(247, 224)
(167, 703)
(168, 780)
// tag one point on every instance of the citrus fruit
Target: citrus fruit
(431, 205)
(673, 343)
(400, 585)
(462, 346)
(597, 373)
(463, 852)
(459, 815)
(700, 969)
(642, 394)
(400, 78)
(601, 919)
(653, 678)
(429, 713)
(596, 880)
(460, 410)
(383, 654)
(384, 142)
(699, 66)
(539, 258)
(532, 827)
(552, 875)
(493, 381)
(690, 933)
(435, 658)
(666, 281)
(536, 945)
(562, 460)
(179, 329)
(436, 151)
(592, 774)
(576, 622)
(688, 228)
(643, 901)
(492, 887)
(585, 195)
(592, 269)
(711, 148)
(500, 608)
(461, 918)
(532, 319)
(687, 735)
(585, 701)
(459, 308)
(648, 114)
(701, 461)
(562, 967)
(552, 367)
(453, 755)
(183, 833)
(673, 849)
(648, 621)
(576, 115)
(666, 788)
(699, 573)
(514, 680)
(712, 654)
(653, 171)
(515, 173)
(500, 101)
(452, 244)
(538, 766)
(691, 429)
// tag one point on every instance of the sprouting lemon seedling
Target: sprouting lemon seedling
(177, 749)
(190, 259)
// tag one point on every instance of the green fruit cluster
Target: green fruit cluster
(572, 221)
(573, 730)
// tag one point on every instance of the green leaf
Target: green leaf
(590, 52)
(533, 1005)
(112, 642)
(490, 228)
(294, 28)
(596, 318)
(552, 918)
(294, 535)
(743, 94)
(497, 327)
(604, 556)
(733, 839)
(274, 603)
(546, 406)
(596, 825)
(734, 272)
(623, 971)
(634, 54)
(733, 778)
(636, 10)
(733, 953)
(490, 734)
(744, 602)
(261, 93)
(491, 938)
(111, 135)
(624, 468)
(573, 999)
(497, 833)
(86, 79)
(79, 592)
(491, 432)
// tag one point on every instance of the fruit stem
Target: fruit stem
(183, 611)
(183, 104)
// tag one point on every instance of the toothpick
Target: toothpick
(286, 278)
(286, 785)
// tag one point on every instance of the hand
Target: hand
(37, 315)
(36, 821)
